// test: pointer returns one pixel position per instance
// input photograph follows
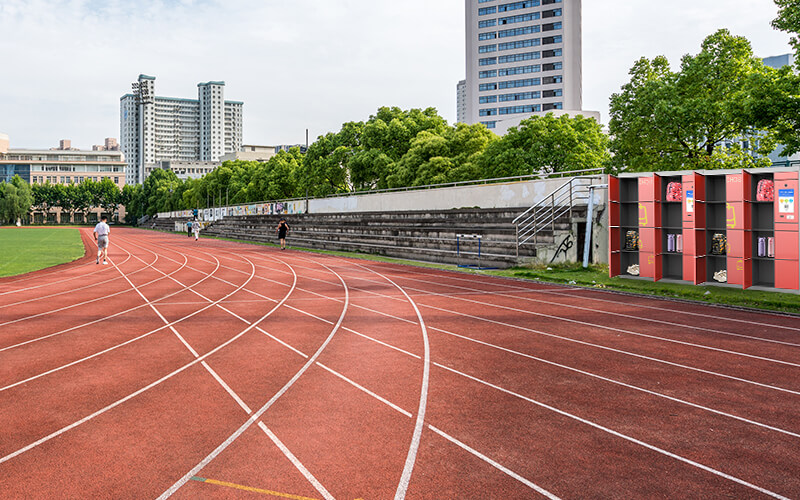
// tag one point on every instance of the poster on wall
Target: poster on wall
(690, 201)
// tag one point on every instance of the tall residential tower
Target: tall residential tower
(523, 58)
(157, 129)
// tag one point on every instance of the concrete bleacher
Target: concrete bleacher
(415, 235)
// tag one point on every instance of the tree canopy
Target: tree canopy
(393, 148)
(694, 118)
(15, 199)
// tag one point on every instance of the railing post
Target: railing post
(517, 225)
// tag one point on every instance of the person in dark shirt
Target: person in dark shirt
(282, 230)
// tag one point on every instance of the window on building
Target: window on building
(487, 23)
(524, 56)
(520, 18)
(552, 105)
(487, 99)
(519, 70)
(488, 112)
(551, 13)
(528, 108)
(484, 11)
(525, 30)
(490, 124)
(489, 35)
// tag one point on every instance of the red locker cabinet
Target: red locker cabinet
(787, 268)
(649, 265)
(614, 251)
(737, 186)
(786, 206)
(694, 214)
(736, 217)
(740, 243)
(649, 188)
(740, 271)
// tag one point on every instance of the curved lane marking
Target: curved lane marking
(257, 415)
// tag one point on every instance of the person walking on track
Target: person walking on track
(196, 230)
(189, 229)
(101, 231)
(282, 230)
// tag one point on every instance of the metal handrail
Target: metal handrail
(544, 214)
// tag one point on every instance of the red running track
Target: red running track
(220, 370)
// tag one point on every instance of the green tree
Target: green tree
(83, 197)
(789, 20)
(16, 199)
(439, 156)
(543, 144)
(158, 191)
(109, 196)
(664, 120)
(132, 198)
(45, 197)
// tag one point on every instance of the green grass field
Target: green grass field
(27, 249)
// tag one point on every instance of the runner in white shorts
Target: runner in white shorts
(101, 231)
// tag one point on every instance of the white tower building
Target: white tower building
(523, 59)
(461, 102)
(157, 129)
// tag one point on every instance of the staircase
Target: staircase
(567, 203)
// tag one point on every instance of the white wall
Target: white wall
(505, 195)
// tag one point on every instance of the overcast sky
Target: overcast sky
(301, 64)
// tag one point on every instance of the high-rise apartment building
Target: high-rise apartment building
(523, 58)
(461, 102)
(154, 129)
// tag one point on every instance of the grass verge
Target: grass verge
(596, 276)
(26, 249)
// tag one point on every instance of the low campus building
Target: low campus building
(62, 165)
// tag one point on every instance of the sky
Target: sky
(303, 64)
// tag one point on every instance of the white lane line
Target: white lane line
(158, 313)
(364, 389)
(300, 467)
(623, 384)
(111, 316)
(604, 327)
(411, 458)
(671, 455)
(681, 401)
(257, 415)
(147, 387)
(601, 311)
(292, 458)
(565, 290)
(441, 433)
(73, 290)
(617, 434)
(491, 462)
(619, 351)
(708, 469)
(538, 332)
(80, 304)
